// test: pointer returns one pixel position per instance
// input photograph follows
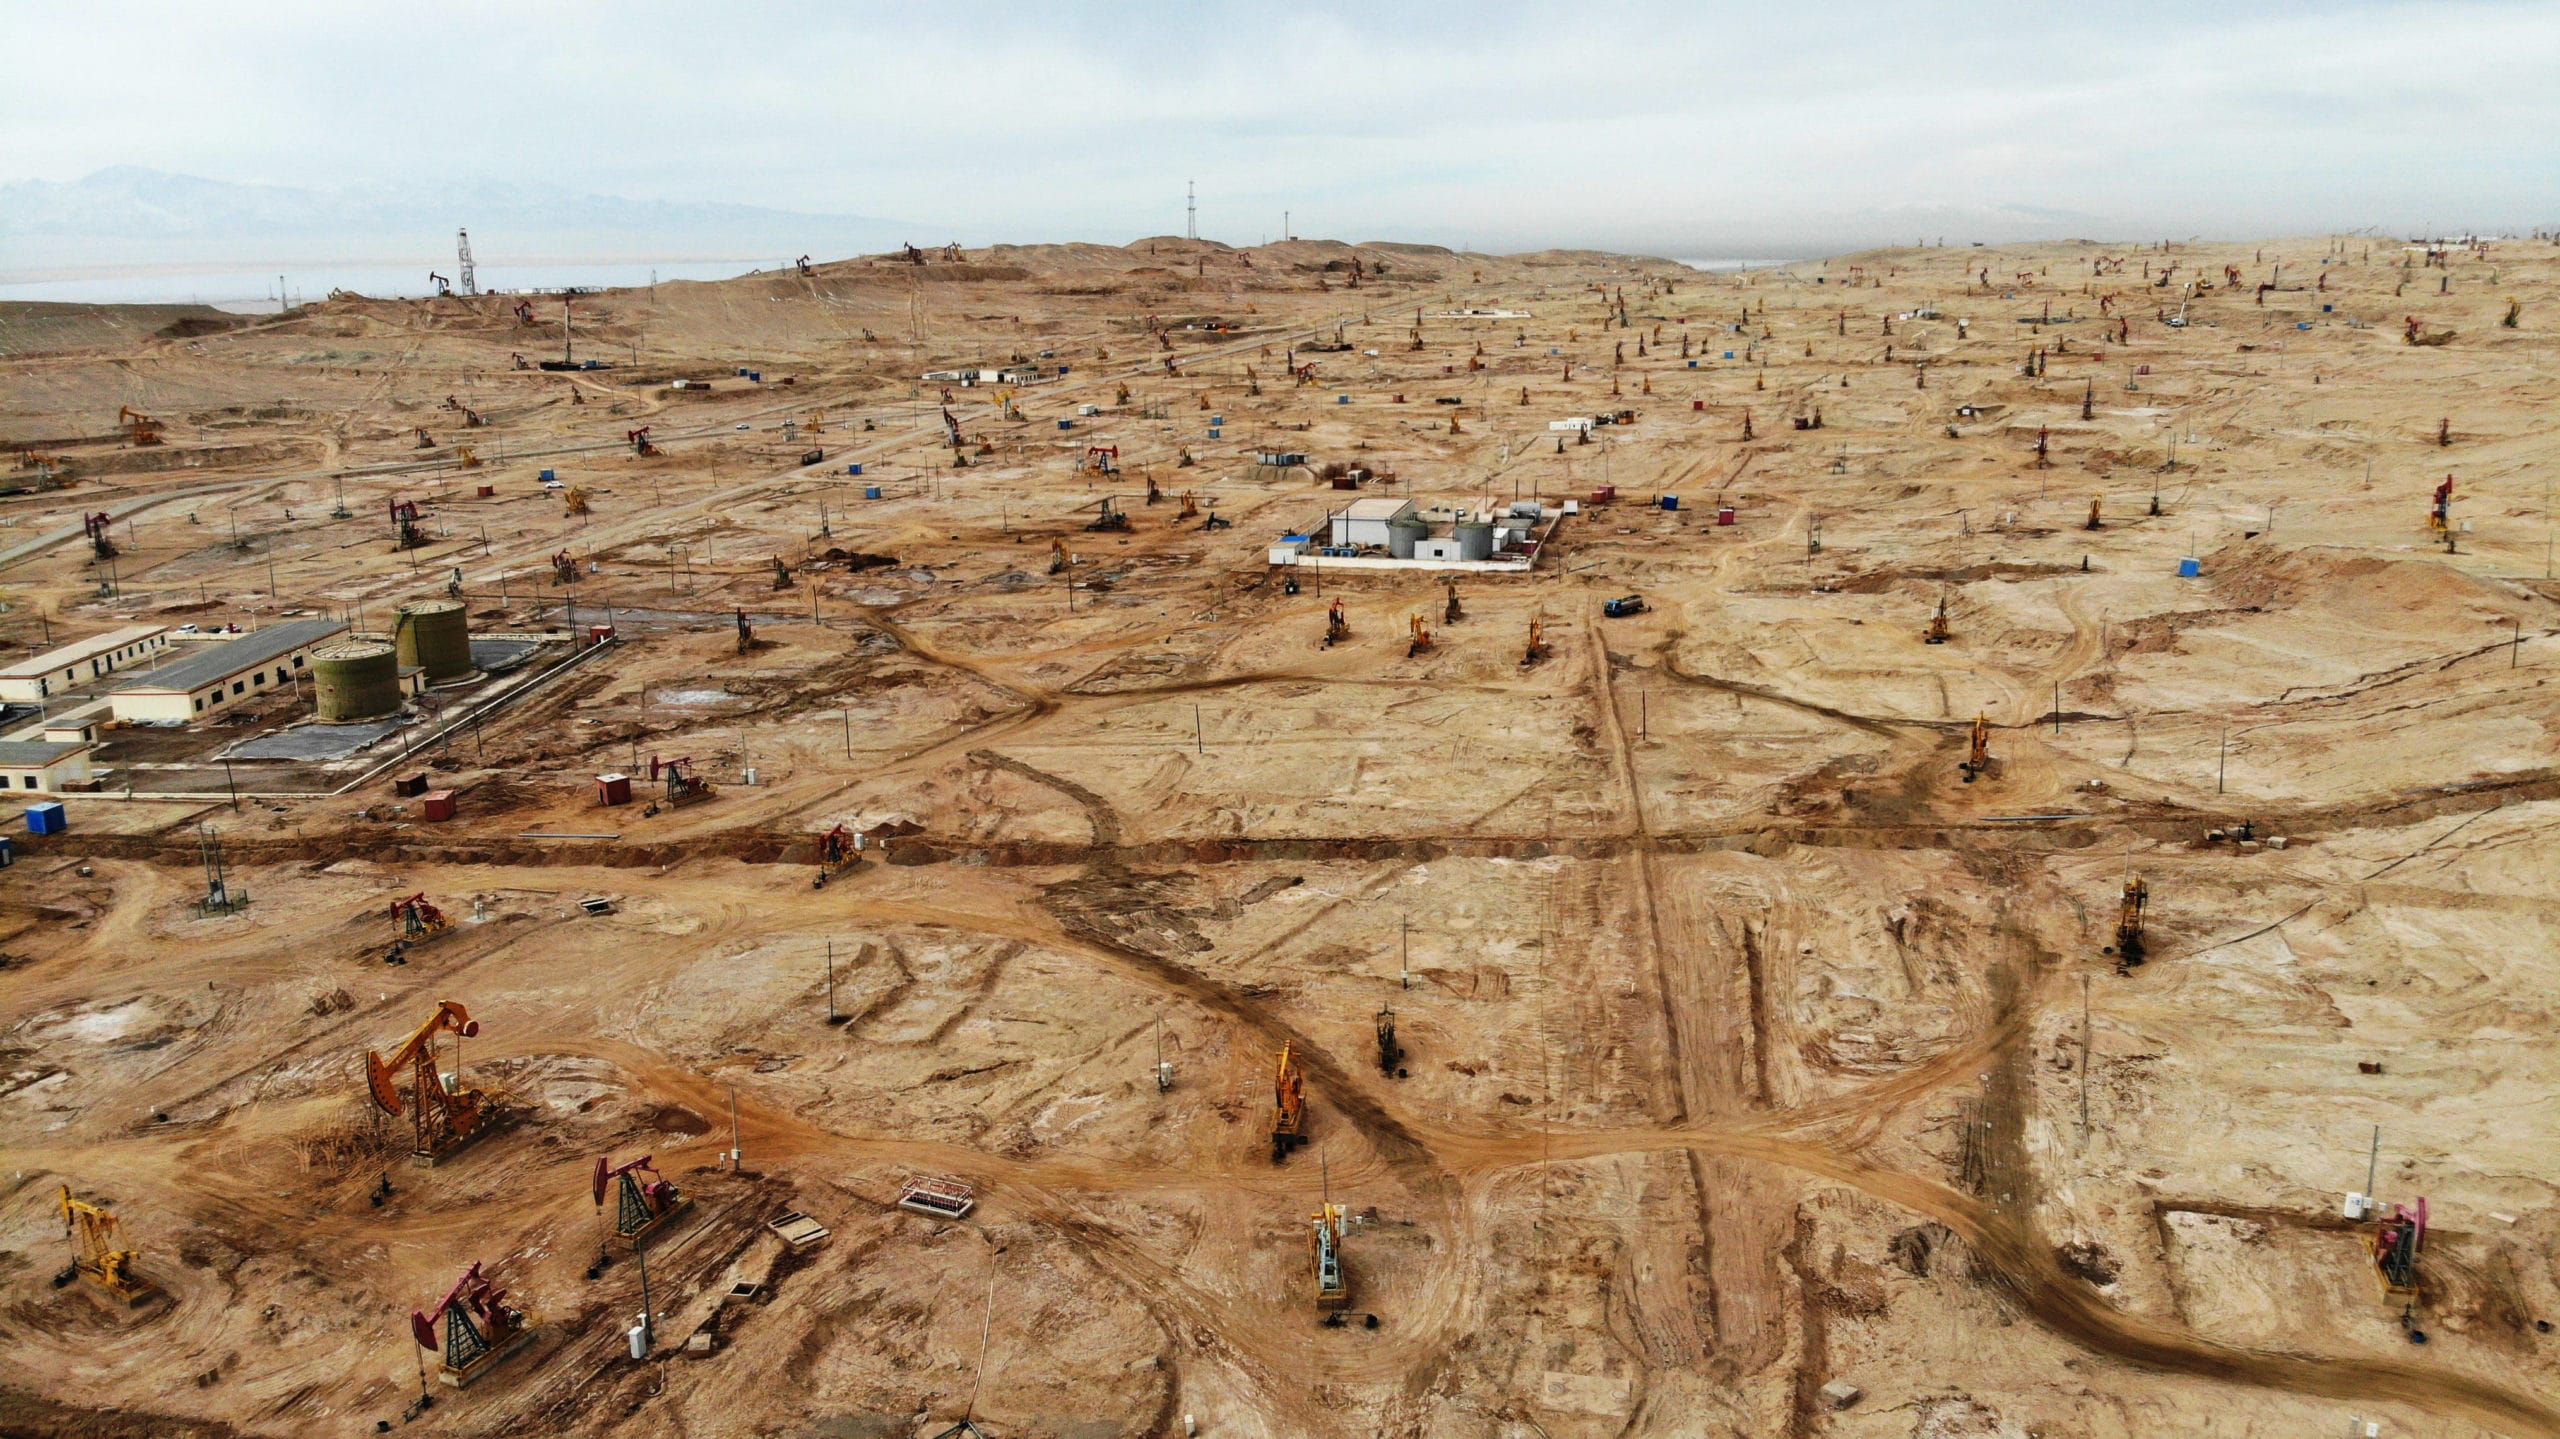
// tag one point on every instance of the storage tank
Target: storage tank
(1402, 535)
(435, 636)
(355, 680)
(1475, 540)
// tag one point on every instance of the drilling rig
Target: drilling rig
(447, 1116)
(1538, 649)
(574, 500)
(101, 1254)
(1937, 633)
(1454, 612)
(746, 634)
(1288, 1105)
(1390, 1053)
(1336, 628)
(1421, 642)
(2440, 512)
(479, 1328)
(641, 1205)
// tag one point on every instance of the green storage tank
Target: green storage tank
(435, 636)
(355, 680)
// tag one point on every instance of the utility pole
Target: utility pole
(832, 1017)
(2222, 764)
(1405, 945)
(1190, 210)
(737, 1156)
(1199, 736)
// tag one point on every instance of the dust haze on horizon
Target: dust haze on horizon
(1757, 130)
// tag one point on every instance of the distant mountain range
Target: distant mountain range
(129, 216)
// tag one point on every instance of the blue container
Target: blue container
(548, 475)
(1213, 432)
(742, 371)
(46, 818)
(1066, 424)
(1062, 369)
(2187, 569)
(2302, 324)
(1728, 354)
(853, 469)
(1671, 502)
(2328, 309)
(1693, 364)
(1342, 399)
(8, 852)
(755, 375)
(1216, 420)
(871, 492)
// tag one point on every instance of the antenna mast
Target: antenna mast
(1191, 209)
(470, 281)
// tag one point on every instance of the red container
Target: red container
(1724, 515)
(438, 804)
(613, 789)
(1605, 495)
(488, 492)
(1697, 404)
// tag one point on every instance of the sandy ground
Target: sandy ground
(1749, 1048)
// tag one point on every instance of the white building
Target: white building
(1365, 522)
(32, 766)
(39, 677)
(220, 676)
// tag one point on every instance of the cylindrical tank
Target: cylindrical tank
(1475, 540)
(435, 636)
(1402, 535)
(355, 680)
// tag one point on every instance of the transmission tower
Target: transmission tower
(470, 282)
(1191, 209)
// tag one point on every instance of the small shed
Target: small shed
(613, 789)
(47, 818)
(438, 804)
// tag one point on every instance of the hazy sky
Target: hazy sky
(1680, 128)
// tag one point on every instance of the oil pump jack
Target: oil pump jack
(447, 1116)
(640, 1205)
(101, 1256)
(683, 785)
(480, 1328)
(836, 854)
(1288, 1105)
(1538, 648)
(2128, 946)
(417, 920)
(99, 528)
(404, 519)
(1977, 757)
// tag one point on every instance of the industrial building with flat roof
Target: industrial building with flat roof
(42, 767)
(39, 677)
(223, 675)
